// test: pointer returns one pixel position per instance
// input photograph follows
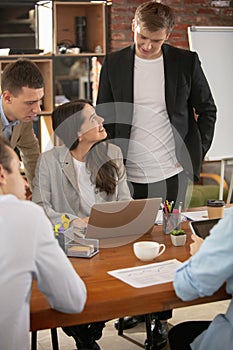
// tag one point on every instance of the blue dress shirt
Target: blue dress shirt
(7, 126)
(203, 274)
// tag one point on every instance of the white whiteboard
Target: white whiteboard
(214, 46)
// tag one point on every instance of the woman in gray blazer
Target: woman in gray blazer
(70, 178)
(84, 170)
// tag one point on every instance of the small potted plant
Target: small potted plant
(178, 237)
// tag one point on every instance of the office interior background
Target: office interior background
(16, 17)
(18, 31)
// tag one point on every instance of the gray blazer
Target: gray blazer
(56, 188)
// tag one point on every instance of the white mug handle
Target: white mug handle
(163, 248)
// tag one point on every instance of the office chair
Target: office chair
(149, 335)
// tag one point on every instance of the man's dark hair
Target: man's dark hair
(19, 74)
(5, 157)
(155, 16)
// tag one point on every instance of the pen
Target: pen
(171, 206)
(168, 206)
(180, 207)
(165, 208)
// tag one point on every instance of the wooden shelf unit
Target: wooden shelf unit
(65, 28)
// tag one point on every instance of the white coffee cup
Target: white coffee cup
(148, 250)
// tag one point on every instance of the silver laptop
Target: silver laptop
(121, 222)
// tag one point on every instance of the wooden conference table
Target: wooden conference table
(109, 297)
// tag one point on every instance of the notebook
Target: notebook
(121, 222)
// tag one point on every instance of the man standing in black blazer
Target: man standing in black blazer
(158, 108)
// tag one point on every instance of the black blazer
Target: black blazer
(186, 89)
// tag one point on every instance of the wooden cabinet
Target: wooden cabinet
(45, 66)
(64, 26)
(80, 23)
(72, 24)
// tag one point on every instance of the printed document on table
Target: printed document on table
(200, 215)
(148, 275)
(196, 215)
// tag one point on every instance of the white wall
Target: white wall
(214, 46)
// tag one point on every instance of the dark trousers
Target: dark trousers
(85, 335)
(183, 334)
(172, 189)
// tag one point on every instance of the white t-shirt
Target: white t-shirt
(86, 188)
(151, 155)
(29, 250)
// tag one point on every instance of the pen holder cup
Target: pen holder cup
(171, 221)
(64, 237)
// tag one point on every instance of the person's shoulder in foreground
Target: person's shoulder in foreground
(29, 251)
(211, 266)
(202, 275)
(34, 244)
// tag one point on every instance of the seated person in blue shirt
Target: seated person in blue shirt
(203, 274)
(70, 178)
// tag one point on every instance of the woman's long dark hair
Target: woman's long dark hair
(67, 121)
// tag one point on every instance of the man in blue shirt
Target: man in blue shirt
(203, 274)
(22, 86)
